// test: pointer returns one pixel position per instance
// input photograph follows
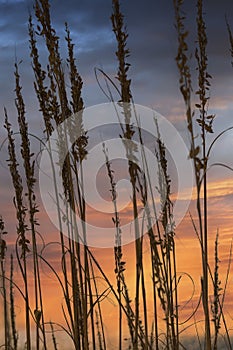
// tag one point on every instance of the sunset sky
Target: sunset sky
(153, 45)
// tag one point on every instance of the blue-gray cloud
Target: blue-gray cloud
(152, 42)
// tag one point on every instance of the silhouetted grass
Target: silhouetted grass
(83, 310)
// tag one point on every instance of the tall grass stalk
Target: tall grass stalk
(32, 207)
(199, 152)
(3, 248)
(14, 332)
(21, 210)
(122, 54)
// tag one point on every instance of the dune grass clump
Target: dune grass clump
(148, 313)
